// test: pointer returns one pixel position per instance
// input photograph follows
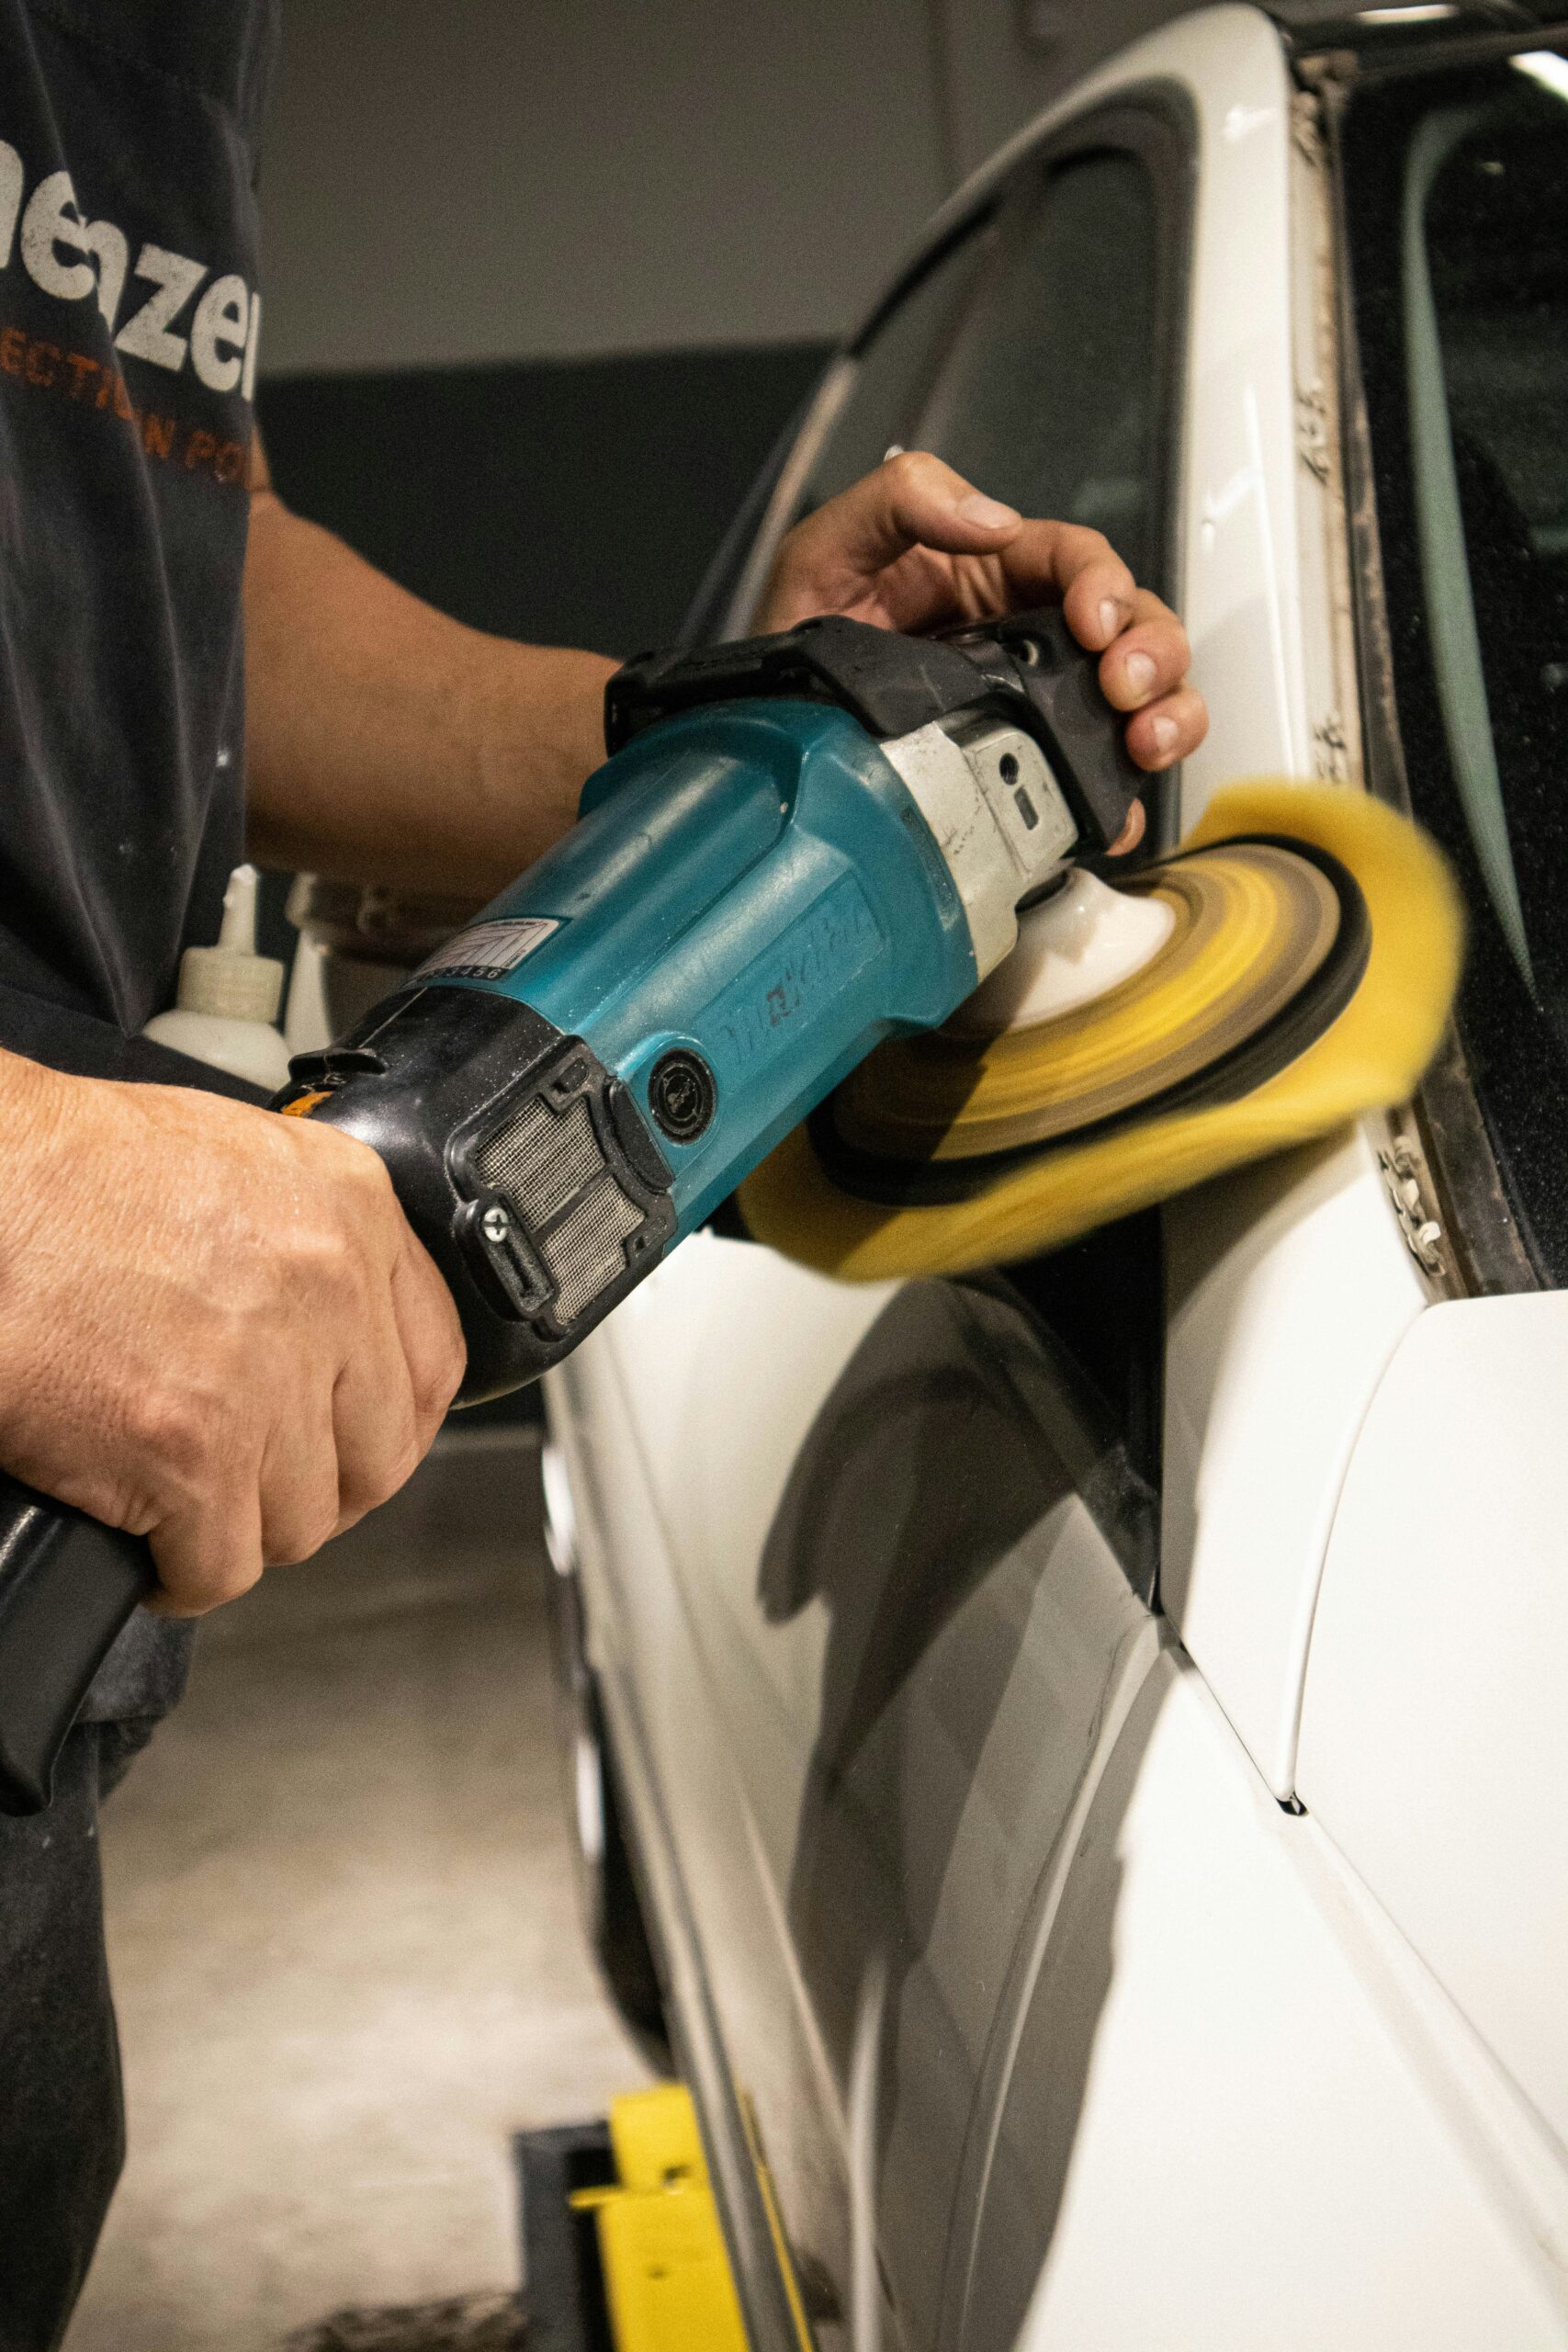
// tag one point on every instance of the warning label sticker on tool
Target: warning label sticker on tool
(486, 950)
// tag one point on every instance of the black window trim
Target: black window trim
(1489, 1252)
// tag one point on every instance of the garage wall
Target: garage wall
(997, 66)
(568, 501)
(500, 179)
(546, 278)
(509, 178)
(503, 179)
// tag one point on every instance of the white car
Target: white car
(1092, 1742)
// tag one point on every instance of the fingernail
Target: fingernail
(1163, 730)
(1140, 673)
(1109, 616)
(989, 513)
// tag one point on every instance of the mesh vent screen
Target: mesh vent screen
(584, 1252)
(541, 1158)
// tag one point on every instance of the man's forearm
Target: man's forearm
(385, 741)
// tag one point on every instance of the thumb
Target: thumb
(912, 500)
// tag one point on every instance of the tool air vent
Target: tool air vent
(574, 1219)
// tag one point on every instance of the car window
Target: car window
(1052, 393)
(1039, 351)
(894, 364)
(1059, 391)
(866, 404)
(1456, 193)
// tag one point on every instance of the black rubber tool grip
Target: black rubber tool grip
(67, 1585)
(1028, 667)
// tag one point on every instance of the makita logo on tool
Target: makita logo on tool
(823, 950)
(187, 314)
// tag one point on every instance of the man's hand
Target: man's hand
(215, 1328)
(914, 545)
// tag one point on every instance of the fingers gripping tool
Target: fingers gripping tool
(799, 845)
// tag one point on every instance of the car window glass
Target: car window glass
(1486, 324)
(1456, 188)
(894, 369)
(736, 555)
(1051, 398)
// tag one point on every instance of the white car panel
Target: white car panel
(718, 1324)
(1218, 2134)
(691, 1818)
(1288, 1290)
(1435, 1730)
(1290, 1286)
(881, 1762)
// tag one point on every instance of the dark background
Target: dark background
(590, 496)
(568, 501)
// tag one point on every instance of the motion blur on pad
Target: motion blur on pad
(1302, 974)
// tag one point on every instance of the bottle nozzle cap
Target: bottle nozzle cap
(238, 934)
(230, 980)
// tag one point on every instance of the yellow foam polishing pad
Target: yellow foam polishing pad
(1370, 1053)
(1251, 924)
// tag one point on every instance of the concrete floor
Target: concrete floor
(343, 1937)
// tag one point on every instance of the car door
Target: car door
(875, 1566)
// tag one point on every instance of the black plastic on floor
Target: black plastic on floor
(459, 2324)
(561, 2277)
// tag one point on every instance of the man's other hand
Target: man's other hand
(217, 1330)
(914, 545)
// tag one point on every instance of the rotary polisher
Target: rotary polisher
(829, 930)
(800, 846)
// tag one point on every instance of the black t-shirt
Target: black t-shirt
(128, 327)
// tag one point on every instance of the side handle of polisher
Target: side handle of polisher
(1036, 658)
(68, 1584)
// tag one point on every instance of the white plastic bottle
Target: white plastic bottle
(227, 1001)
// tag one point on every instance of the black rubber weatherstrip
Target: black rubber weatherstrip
(941, 1183)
